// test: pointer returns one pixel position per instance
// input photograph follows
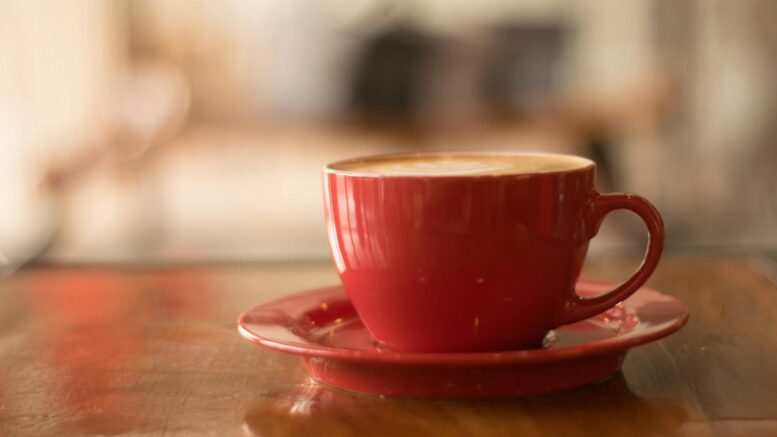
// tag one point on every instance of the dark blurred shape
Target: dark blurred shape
(524, 68)
(389, 74)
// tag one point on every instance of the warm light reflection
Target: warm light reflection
(94, 329)
(98, 323)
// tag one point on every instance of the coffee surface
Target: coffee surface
(463, 164)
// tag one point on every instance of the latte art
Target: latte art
(442, 166)
(462, 164)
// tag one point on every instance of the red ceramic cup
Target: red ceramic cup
(472, 263)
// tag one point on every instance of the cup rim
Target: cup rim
(329, 168)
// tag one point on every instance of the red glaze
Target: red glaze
(323, 327)
(472, 263)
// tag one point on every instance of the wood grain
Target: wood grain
(154, 351)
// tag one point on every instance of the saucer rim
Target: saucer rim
(617, 344)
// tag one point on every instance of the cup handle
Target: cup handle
(579, 308)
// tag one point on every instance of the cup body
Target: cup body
(459, 263)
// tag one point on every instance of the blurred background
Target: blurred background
(139, 131)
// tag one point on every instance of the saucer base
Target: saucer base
(452, 382)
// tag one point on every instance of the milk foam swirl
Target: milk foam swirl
(443, 164)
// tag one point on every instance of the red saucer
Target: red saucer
(322, 326)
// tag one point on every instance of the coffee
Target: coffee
(465, 164)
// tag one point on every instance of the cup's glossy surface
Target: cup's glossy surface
(472, 263)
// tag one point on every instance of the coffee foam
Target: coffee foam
(455, 164)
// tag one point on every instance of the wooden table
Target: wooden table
(154, 351)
